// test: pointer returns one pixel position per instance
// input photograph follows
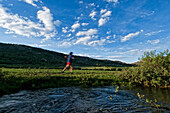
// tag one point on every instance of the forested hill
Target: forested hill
(12, 55)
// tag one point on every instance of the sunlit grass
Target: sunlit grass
(13, 80)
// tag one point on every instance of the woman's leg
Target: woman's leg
(71, 68)
(65, 68)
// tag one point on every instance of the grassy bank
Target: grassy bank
(14, 80)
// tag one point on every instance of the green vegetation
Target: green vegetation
(153, 70)
(21, 56)
(28, 68)
(151, 103)
(13, 80)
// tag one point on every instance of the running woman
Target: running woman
(69, 62)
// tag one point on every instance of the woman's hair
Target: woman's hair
(70, 53)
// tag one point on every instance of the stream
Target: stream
(86, 100)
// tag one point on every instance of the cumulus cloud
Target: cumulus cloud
(57, 23)
(108, 37)
(85, 24)
(25, 27)
(129, 36)
(86, 36)
(83, 40)
(108, 13)
(102, 21)
(87, 33)
(153, 42)
(75, 26)
(104, 18)
(103, 11)
(64, 29)
(46, 17)
(97, 42)
(31, 2)
(92, 14)
(68, 35)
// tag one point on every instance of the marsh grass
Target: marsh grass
(14, 80)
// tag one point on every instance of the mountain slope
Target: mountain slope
(12, 55)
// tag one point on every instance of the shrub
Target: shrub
(153, 70)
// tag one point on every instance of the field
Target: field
(152, 71)
(13, 80)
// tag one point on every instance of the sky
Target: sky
(118, 30)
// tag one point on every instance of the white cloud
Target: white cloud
(25, 27)
(115, 1)
(129, 36)
(97, 42)
(153, 33)
(108, 37)
(153, 42)
(103, 11)
(104, 18)
(136, 52)
(83, 40)
(108, 13)
(102, 21)
(46, 17)
(92, 14)
(57, 23)
(11, 4)
(68, 35)
(87, 33)
(65, 44)
(85, 24)
(31, 2)
(75, 26)
(114, 36)
(108, 32)
(64, 29)
(80, 2)
(111, 41)
(39, 45)
(91, 4)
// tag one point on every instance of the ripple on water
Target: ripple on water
(74, 99)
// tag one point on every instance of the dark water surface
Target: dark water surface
(82, 100)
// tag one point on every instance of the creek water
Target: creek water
(82, 100)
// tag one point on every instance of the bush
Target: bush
(153, 70)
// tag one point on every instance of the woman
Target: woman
(69, 62)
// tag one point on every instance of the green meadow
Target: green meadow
(13, 80)
(153, 70)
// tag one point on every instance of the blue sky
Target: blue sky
(104, 29)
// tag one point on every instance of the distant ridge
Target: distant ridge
(14, 55)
